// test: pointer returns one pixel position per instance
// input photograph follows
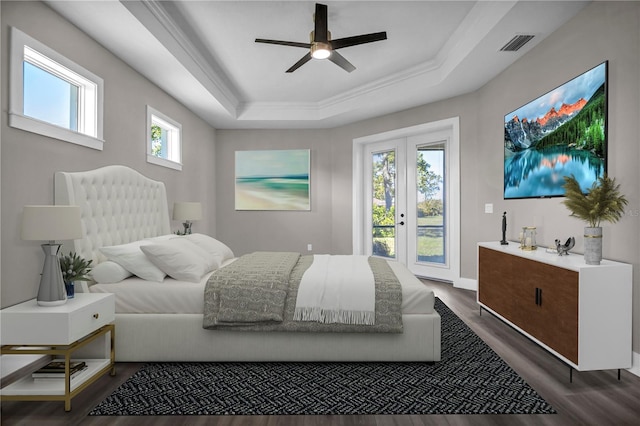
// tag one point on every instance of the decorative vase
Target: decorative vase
(593, 245)
(71, 290)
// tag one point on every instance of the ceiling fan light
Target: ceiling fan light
(320, 50)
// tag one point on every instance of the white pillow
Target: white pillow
(211, 246)
(181, 259)
(109, 272)
(161, 238)
(131, 258)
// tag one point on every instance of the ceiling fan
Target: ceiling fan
(322, 47)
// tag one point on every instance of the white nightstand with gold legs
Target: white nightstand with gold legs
(80, 330)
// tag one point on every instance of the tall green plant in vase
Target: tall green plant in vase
(602, 202)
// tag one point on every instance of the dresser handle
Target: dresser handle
(95, 316)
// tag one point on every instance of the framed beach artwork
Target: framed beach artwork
(273, 180)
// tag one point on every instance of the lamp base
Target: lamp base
(52, 303)
(52, 291)
(187, 227)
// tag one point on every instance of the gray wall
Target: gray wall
(29, 161)
(246, 231)
(602, 31)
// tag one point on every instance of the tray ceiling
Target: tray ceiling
(204, 54)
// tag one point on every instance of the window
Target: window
(53, 96)
(164, 140)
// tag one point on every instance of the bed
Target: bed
(163, 320)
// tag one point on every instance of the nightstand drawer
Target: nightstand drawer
(90, 318)
(30, 324)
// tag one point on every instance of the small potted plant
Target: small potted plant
(602, 202)
(74, 268)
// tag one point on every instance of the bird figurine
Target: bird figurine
(564, 248)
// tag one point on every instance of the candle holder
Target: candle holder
(528, 238)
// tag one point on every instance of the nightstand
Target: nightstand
(82, 329)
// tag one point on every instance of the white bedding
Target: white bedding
(136, 296)
(337, 289)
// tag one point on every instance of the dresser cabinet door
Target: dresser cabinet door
(549, 305)
(558, 306)
(540, 299)
(495, 282)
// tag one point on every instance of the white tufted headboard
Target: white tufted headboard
(118, 205)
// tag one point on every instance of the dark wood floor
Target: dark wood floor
(594, 398)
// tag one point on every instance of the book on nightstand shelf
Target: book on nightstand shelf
(55, 370)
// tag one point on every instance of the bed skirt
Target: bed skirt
(180, 337)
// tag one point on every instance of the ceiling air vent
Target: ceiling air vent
(516, 43)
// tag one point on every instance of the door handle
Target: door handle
(401, 223)
(538, 296)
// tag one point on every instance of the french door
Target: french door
(410, 204)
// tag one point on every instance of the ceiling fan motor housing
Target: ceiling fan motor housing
(320, 49)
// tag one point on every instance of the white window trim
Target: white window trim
(153, 115)
(91, 131)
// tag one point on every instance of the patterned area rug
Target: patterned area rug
(470, 379)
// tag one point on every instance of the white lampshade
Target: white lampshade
(51, 223)
(187, 211)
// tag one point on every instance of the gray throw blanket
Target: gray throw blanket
(251, 290)
(258, 292)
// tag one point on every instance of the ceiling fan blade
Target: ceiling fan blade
(306, 58)
(360, 39)
(321, 26)
(340, 60)
(284, 43)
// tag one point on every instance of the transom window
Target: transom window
(164, 140)
(53, 96)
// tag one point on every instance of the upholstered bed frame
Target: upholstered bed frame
(119, 205)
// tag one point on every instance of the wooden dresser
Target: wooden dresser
(580, 313)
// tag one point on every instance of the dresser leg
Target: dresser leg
(618, 374)
(570, 374)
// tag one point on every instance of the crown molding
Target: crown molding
(154, 15)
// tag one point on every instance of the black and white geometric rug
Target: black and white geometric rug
(470, 379)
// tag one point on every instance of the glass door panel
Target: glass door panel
(383, 206)
(430, 206)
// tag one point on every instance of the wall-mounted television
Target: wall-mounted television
(561, 133)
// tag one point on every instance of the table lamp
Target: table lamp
(187, 211)
(51, 223)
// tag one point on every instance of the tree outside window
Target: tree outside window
(156, 141)
(164, 140)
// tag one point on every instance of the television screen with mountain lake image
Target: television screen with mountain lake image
(273, 180)
(561, 133)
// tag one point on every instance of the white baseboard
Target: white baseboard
(635, 364)
(466, 284)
